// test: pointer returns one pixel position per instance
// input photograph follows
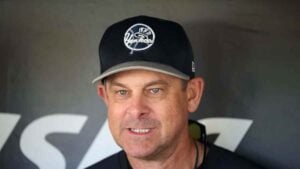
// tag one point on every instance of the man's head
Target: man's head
(148, 84)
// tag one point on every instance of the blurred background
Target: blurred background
(50, 114)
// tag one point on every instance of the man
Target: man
(148, 84)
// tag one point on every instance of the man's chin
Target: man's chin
(140, 154)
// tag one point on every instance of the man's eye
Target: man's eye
(122, 92)
(155, 90)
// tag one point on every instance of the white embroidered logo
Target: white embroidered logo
(139, 37)
(193, 67)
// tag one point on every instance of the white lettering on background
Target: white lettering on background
(231, 130)
(8, 122)
(33, 139)
(103, 146)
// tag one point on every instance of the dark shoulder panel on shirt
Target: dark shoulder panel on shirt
(219, 158)
(112, 162)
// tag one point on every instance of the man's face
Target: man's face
(147, 111)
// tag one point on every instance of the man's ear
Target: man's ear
(195, 89)
(101, 90)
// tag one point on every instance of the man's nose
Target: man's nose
(138, 106)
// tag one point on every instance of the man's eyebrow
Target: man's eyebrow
(114, 83)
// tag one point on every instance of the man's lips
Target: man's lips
(140, 126)
(140, 131)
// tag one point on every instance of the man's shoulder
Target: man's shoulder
(114, 161)
(219, 158)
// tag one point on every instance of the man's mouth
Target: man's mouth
(140, 130)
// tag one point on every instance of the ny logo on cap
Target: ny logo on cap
(139, 37)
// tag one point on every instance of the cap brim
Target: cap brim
(144, 65)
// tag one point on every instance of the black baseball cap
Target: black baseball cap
(147, 43)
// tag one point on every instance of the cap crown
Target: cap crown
(146, 39)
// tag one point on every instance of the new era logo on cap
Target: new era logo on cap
(147, 43)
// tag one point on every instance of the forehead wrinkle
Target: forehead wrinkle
(151, 83)
(156, 79)
(157, 82)
(114, 82)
